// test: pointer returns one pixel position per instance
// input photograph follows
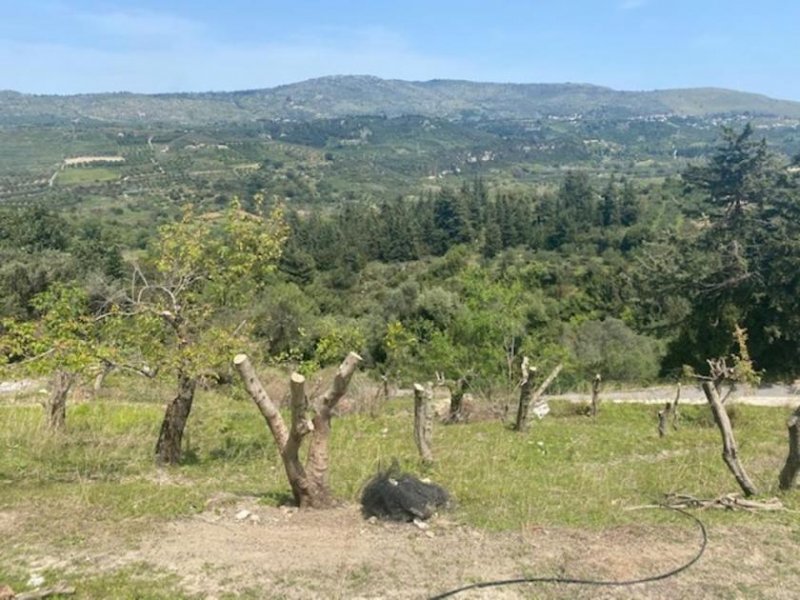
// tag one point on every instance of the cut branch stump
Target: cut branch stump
(670, 410)
(56, 404)
(675, 407)
(596, 394)
(522, 425)
(525, 391)
(423, 421)
(663, 417)
(457, 392)
(789, 471)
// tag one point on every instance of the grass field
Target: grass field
(82, 175)
(96, 490)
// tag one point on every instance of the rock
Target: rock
(541, 410)
(242, 515)
(421, 524)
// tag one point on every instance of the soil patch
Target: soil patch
(240, 546)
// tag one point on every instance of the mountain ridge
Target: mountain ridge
(348, 95)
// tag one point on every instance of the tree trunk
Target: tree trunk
(318, 459)
(385, 384)
(456, 414)
(596, 394)
(298, 480)
(56, 404)
(675, 407)
(663, 417)
(309, 484)
(168, 447)
(729, 452)
(538, 394)
(669, 410)
(524, 394)
(789, 471)
(423, 421)
(100, 378)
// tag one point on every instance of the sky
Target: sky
(151, 46)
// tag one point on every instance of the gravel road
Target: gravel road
(768, 395)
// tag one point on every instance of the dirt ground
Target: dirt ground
(240, 546)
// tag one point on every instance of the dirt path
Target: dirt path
(243, 547)
(769, 395)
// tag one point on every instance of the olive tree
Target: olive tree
(63, 341)
(202, 269)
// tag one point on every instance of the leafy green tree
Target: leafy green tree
(736, 176)
(614, 350)
(199, 271)
(734, 266)
(630, 206)
(609, 205)
(337, 335)
(283, 318)
(24, 275)
(400, 345)
(34, 229)
(63, 341)
(452, 221)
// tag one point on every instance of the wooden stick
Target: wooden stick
(264, 403)
(423, 421)
(729, 452)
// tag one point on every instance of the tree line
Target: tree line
(629, 279)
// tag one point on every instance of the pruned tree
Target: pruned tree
(423, 421)
(309, 482)
(525, 388)
(523, 420)
(674, 410)
(458, 390)
(670, 410)
(792, 465)
(596, 394)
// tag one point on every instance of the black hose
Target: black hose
(597, 582)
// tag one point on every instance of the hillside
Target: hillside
(337, 96)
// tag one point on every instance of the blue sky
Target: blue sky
(66, 47)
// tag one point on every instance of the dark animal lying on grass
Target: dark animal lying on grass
(399, 496)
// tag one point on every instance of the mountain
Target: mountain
(338, 96)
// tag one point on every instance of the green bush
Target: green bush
(614, 350)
